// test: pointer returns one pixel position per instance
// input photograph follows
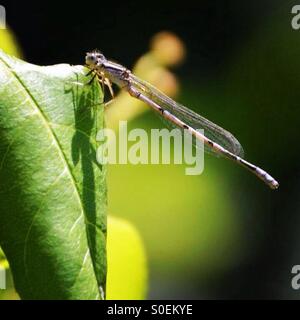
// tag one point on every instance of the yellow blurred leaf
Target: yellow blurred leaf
(3, 261)
(126, 258)
(8, 43)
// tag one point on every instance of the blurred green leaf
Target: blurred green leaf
(52, 192)
(192, 224)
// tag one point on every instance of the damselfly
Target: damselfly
(216, 139)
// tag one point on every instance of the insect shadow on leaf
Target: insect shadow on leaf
(83, 149)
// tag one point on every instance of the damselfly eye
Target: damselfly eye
(91, 59)
(100, 56)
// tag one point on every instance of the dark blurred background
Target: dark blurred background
(223, 234)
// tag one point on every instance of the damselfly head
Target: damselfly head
(94, 59)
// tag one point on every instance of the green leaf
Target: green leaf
(52, 191)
